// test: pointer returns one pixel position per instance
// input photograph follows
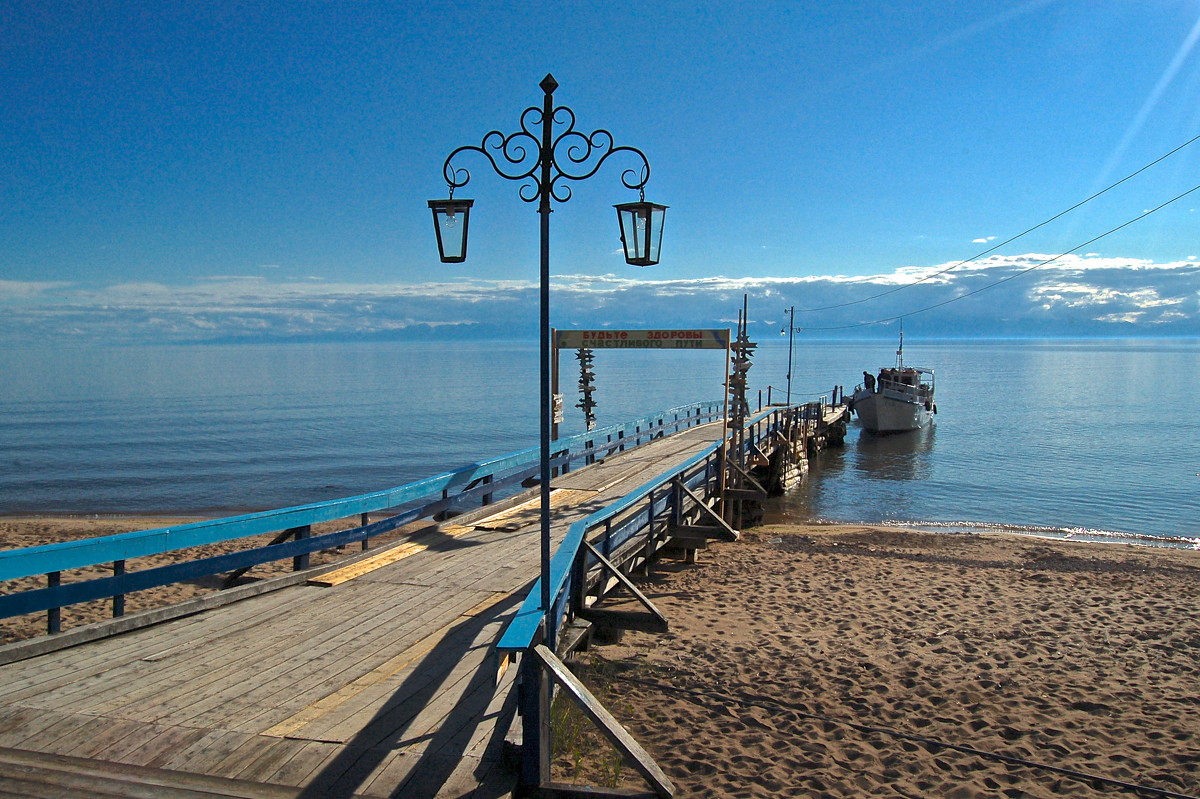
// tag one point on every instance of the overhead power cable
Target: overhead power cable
(1012, 276)
(993, 248)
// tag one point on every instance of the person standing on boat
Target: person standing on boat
(869, 381)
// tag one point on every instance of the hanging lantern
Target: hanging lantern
(641, 231)
(450, 219)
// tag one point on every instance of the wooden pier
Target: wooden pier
(383, 676)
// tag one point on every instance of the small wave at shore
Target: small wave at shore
(1064, 533)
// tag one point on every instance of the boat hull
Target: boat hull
(880, 413)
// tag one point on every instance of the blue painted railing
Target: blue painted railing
(571, 560)
(630, 525)
(407, 503)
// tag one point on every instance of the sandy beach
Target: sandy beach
(835, 661)
(847, 661)
(28, 531)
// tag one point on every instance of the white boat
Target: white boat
(900, 399)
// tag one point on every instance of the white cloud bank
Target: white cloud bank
(1072, 295)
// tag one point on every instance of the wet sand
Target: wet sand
(834, 661)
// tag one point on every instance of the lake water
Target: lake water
(1087, 437)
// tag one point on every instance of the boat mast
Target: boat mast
(900, 351)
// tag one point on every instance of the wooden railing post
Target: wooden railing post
(649, 536)
(300, 562)
(579, 581)
(53, 615)
(118, 600)
(364, 520)
(533, 695)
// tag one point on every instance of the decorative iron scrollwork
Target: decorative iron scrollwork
(573, 155)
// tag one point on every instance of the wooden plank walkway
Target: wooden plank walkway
(382, 684)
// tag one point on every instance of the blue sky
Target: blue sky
(191, 171)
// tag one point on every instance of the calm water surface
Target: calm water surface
(1081, 437)
(1045, 435)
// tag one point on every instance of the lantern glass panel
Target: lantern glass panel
(641, 231)
(450, 222)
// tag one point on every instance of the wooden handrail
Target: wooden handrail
(479, 480)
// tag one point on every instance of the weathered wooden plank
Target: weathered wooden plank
(231, 697)
(425, 774)
(445, 659)
(333, 683)
(635, 464)
(411, 546)
(86, 777)
(460, 762)
(43, 673)
(269, 760)
(83, 730)
(119, 748)
(456, 566)
(529, 512)
(315, 696)
(308, 760)
(511, 563)
(14, 721)
(121, 667)
(41, 733)
(203, 754)
(262, 652)
(21, 782)
(406, 707)
(253, 749)
(161, 747)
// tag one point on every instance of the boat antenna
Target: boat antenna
(900, 350)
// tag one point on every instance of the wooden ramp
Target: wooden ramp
(380, 681)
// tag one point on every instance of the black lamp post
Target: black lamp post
(547, 160)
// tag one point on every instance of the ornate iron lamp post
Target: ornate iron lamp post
(547, 160)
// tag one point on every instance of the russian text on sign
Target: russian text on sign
(643, 339)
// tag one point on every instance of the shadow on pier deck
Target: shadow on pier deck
(380, 680)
